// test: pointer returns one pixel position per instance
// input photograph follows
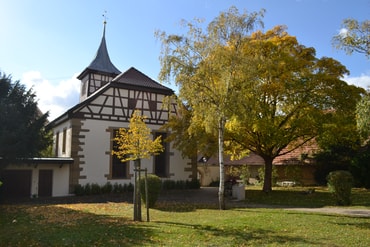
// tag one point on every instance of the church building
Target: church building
(83, 135)
(108, 98)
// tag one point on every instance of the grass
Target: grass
(177, 224)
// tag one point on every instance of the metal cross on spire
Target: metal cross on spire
(105, 17)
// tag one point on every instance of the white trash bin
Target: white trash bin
(238, 192)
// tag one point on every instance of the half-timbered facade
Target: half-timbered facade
(107, 100)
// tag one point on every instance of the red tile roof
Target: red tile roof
(300, 155)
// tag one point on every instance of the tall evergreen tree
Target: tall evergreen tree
(22, 125)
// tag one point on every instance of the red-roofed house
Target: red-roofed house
(297, 166)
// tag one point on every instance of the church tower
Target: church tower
(100, 71)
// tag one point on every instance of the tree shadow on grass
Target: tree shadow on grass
(239, 236)
(361, 225)
(101, 198)
(68, 225)
(183, 207)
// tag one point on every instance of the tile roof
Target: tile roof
(136, 78)
(300, 155)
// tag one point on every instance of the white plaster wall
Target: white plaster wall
(96, 152)
(60, 131)
(61, 180)
(178, 165)
(60, 177)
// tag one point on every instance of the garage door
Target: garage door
(45, 182)
(16, 183)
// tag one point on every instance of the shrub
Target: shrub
(241, 172)
(130, 187)
(214, 184)
(340, 184)
(168, 185)
(118, 188)
(261, 174)
(154, 188)
(95, 189)
(107, 188)
(333, 158)
(294, 172)
(193, 184)
(180, 184)
(360, 168)
(87, 189)
(79, 190)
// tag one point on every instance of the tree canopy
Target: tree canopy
(202, 63)
(22, 125)
(189, 142)
(289, 97)
(257, 91)
(354, 37)
(135, 142)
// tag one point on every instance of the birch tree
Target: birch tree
(203, 65)
(354, 36)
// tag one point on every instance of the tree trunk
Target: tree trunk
(137, 194)
(194, 167)
(267, 182)
(221, 191)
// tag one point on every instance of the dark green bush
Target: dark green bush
(214, 184)
(87, 189)
(360, 167)
(129, 187)
(274, 175)
(95, 189)
(107, 188)
(118, 188)
(154, 188)
(192, 184)
(168, 185)
(340, 184)
(180, 184)
(79, 190)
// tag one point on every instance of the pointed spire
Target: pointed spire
(101, 62)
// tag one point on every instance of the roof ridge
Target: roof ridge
(135, 77)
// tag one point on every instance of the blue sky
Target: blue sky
(45, 44)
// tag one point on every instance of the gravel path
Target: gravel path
(336, 210)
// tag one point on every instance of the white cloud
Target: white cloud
(343, 32)
(56, 98)
(361, 81)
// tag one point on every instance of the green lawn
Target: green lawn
(110, 224)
